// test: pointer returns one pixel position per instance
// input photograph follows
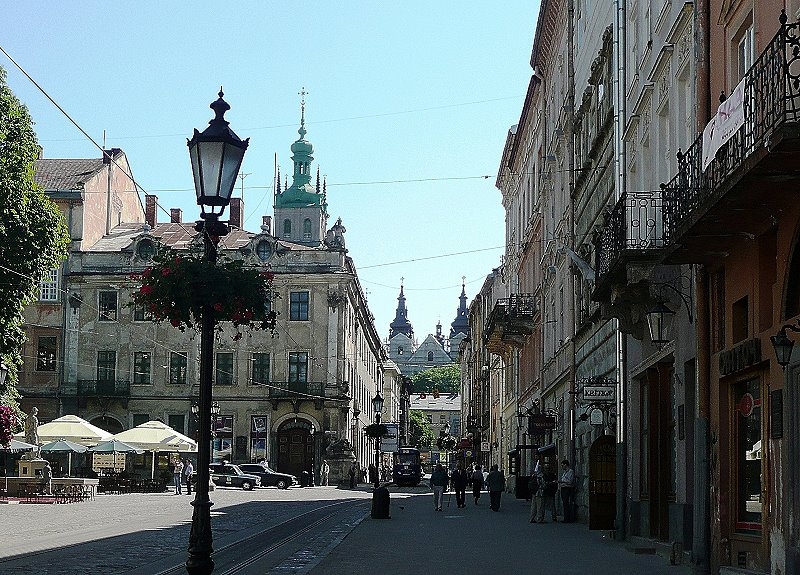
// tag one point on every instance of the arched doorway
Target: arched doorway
(108, 423)
(295, 447)
(602, 483)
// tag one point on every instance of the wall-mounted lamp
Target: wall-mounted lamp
(660, 317)
(783, 345)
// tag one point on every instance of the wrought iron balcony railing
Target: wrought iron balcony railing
(296, 389)
(771, 100)
(633, 228)
(511, 320)
(100, 388)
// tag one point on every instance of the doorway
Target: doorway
(603, 483)
(295, 447)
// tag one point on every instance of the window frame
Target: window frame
(260, 368)
(299, 309)
(142, 377)
(104, 311)
(224, 371)
(50, 363)
(298, 367)
(178, 368)
(106, 364)
(49, 286)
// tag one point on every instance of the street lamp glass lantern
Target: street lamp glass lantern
(216, 154)
(659, 320)
(377, 403)
(783, 347)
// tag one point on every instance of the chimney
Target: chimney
(150, 210)
(175, 215)
(266, 225)
(236, 213)
(108, 154)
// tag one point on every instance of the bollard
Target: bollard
(304, 479)
(380, 503)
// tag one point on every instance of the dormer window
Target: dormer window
(400, 350)
(264, 250)
(287, 228)
(307, 229)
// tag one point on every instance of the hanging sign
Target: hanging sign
(598, 394)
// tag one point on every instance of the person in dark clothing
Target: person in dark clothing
(495, 483)
(352, 474)
(439, 481)
(477, 483)
(459, 479)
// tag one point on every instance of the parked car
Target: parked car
(268, 476)
(230, 475)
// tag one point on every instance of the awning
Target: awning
(156, 436)
(547, 448)
(72, 428)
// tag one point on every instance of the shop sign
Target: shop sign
(539, 423)
(740, 357)
(598, 394)
(484, 446)
(391, 441)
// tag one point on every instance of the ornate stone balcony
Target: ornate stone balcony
(510, 322)
(296, 392)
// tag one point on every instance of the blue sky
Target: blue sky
(416, 93)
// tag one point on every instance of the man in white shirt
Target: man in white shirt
(567, 486)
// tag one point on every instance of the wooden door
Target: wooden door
(603, 483)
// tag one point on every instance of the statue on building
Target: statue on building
(32, 433)
(334, 238)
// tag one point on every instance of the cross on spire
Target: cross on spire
(302, 93)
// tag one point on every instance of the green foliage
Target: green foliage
(420, 430)
(376, 430)
(445, 379)
(33, 233)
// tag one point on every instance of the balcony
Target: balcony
(706, 211)
(629, 245)
(511, 321)
(102, 388)
(296, 392)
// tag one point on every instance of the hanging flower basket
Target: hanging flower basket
(178, 287)
(8, 424)
(376, 430)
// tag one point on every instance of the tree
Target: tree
(420, 430)
(33, 233)
(444, 379)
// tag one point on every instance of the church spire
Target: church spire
(461, 323)
(401, 323)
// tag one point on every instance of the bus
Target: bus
(407, 469)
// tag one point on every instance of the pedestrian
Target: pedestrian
(373, 473)
(535, 484)
(177, 475)
(566, 485)
(477, 483)
(548, 490)
(188, 473)
(459, 479)
(495, 484)
(47, 479)
(352, 474)
(439, 485)
(324, 470)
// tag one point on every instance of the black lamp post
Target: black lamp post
(377, 407)
(216, 156)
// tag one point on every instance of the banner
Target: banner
(729, 118)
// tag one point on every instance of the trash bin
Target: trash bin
(304, 479)
(380, 503)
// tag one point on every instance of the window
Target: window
(306, 229)
(224, 375)
(141, 314)
(745, 52)
(106, 366)
(260, 363)
(287, 228)
(739, 316)
(298, 306)
(264, 250)
(400, 350)
(298, 366)
(223, 436)
(177, 422)
(107, 304)
(141, 367)
(430, 356)
(46, 354)
(177, 367)
(747, 411)
(48, 287)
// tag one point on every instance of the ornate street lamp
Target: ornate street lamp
(216, 155)
(377, 407)
(659, 320)
(783, 345)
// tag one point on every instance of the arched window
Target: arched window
(430, 356)
(400, 350)
(287, 228)
(307, 229)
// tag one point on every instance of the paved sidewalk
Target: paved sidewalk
(418, 539)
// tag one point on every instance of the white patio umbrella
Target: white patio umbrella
(114, 446)
(72, 428)
(157, 436)
(17, 446)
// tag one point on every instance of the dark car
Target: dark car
(230, 475)
(269, 477)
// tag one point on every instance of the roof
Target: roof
(445, 402)
(59, 174)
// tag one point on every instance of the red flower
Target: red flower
(146, 273)
(218, 307)
(146, 289)
(165, 271)
(175, 322)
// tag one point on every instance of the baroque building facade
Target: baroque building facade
(288, 398)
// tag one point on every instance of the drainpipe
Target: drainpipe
(620, 113)
(702, 483)
(571, 240)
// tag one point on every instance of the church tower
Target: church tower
(301, 210)
(459, 329)
(401, 334)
